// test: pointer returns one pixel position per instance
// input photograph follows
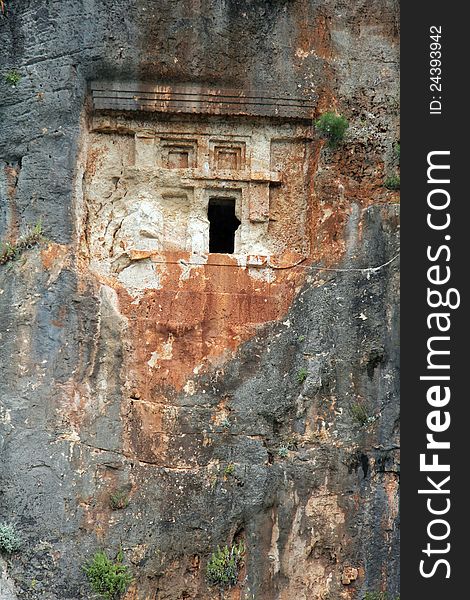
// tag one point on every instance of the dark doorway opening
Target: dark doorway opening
(223, 224)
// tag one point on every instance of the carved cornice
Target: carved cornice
(194, 99)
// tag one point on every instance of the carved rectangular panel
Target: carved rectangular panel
(227, 155)
(178, 154)
(155, 199)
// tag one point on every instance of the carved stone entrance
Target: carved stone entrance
(151, 182)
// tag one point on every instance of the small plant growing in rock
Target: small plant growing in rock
(229, 470)
(224, 565)
(11, 250)
(392, 182)
(8, 251)
(332, 127)
(10, 541)
(360, 413)
(302, 374)
(107, 578)
(119, 500)
(283, 451)
(13, 78)
(397, 150)
(225, 423)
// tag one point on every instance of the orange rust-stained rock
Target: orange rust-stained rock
(53, 256)
(188, 327)
(349, 574)
(12, 173)
(190, 324)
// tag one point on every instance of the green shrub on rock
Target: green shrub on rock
(10, 541)
(109, 579)
(332, 127)
(392, 182)
(360, 413)
(224, 566)
(302, 374)
(119, 500)
(13, 78)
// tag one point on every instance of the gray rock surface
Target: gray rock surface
(7, 587)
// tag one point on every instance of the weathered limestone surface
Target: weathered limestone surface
(155, 381)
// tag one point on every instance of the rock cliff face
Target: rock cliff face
(162, 399)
